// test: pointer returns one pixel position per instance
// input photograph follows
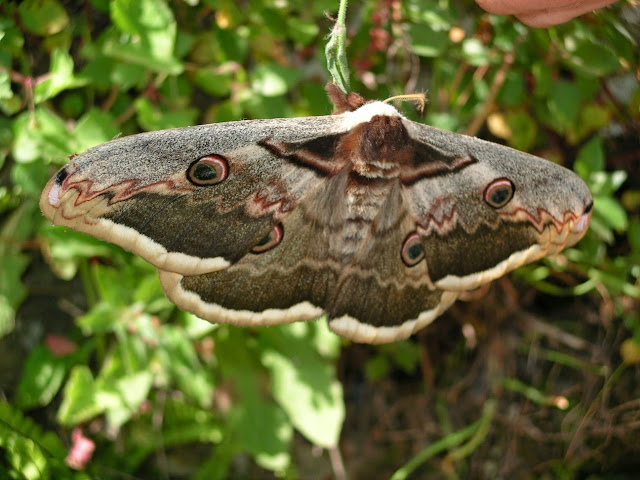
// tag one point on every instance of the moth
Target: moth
(375, 220)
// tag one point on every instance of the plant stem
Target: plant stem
(476, 431)
(336, 50)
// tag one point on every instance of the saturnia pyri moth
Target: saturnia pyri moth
(375, 220)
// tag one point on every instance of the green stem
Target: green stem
(477, 431)
(336, 50)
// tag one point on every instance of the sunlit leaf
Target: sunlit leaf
(79, 401)
(43, 17)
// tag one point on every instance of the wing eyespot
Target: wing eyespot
(412, 250)
(271, 240)
(499, 192)
(62, 174)
(208, 170)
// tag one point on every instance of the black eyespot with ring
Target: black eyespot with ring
(271, 240)
(412, 250)
(499, 192)
(208, 170)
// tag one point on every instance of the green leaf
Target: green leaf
(7, 315)
(517, 127)
(475, 52)
(99, 319)
(195, 327)
(303, 383)
(590, 158)
(213, 82)
(427, 42)
(606, 183)
(29, 452)
(103, 71)
(29, 178)
(591, 56)
(152, 118)
(79, 402)
(614, 283)
(67, 248)
(260, 426)
(180, 358)
(132, 389)
(513, 92)
(564, 103)
(41, 135)
(271, 18)
(43, 17)
(18, 226)
(274, 80)
(232, 46)
(592, 118)
(377, 367)
(60, 77)
(431, 15)
(151, 30)
(93, 128)
(302, 30)
(611, 212)
(543, 81)
(5, 86)
(41, 379)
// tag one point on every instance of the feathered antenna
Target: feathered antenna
(420, 99)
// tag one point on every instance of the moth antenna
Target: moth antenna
(420, 99)
(343, 102)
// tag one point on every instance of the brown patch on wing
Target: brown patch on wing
(429, 161)
(238, 289)
(319, 153)
(461, 253)
(364, 298)
(196, 228)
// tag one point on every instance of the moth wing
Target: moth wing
(469, 242)
(135, 191)
(371, 298)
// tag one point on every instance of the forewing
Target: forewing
(135, 191)
(467, 240)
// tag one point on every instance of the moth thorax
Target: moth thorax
(375, 168)
(384, 145)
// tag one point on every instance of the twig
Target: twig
(592, 410)
(498, 80)
(337, 464)
(533, 323)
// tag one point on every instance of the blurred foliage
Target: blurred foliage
(144, 379)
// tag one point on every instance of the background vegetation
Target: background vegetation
(537, 377)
